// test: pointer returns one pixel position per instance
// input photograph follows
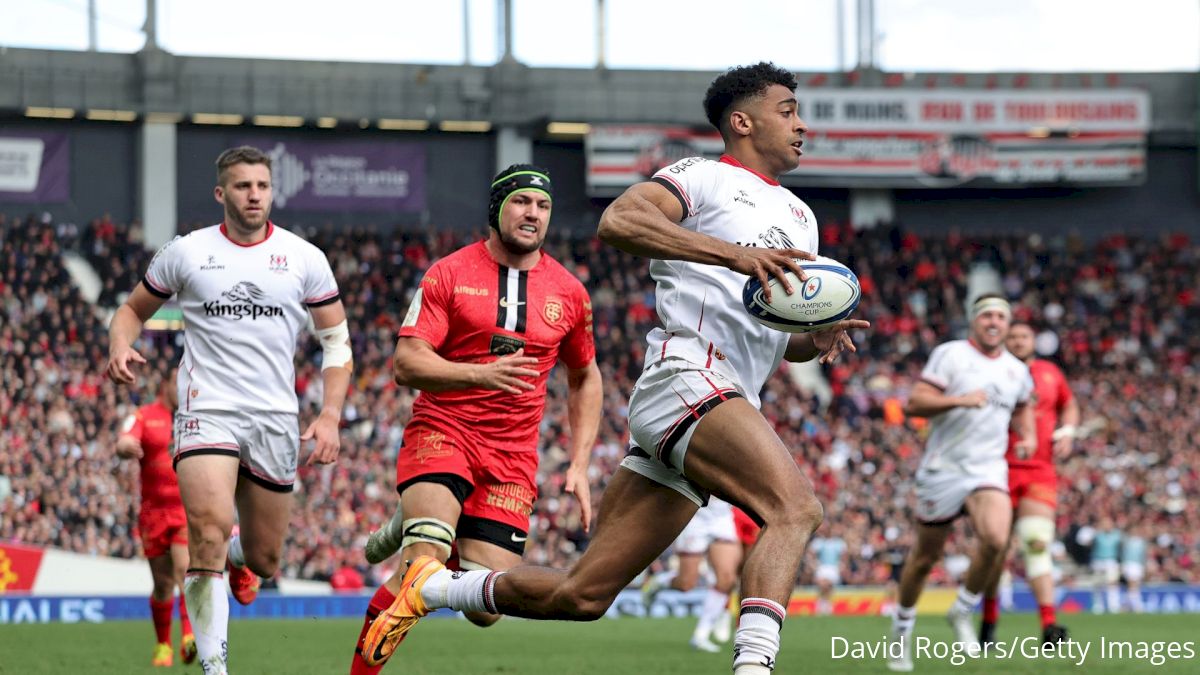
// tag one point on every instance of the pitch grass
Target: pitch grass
(514, 647)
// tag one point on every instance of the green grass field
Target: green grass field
(444, 647)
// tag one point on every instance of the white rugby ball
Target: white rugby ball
(830, 295)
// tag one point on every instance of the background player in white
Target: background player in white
(972, 390)
(693, 414)
(712, 534)
(1106, 568)
(1133, 563)
(246, 288)
(829, 551)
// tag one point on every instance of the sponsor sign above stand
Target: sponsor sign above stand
(346, 175)
(904, 139)
(35, 167)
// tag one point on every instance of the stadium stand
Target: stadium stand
(1120, 314)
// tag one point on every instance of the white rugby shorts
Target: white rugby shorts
(668, 400)
(1109, 571)
(711, 524)
(267, 444)
(1133, 571)
(829, 573)
(942, 495)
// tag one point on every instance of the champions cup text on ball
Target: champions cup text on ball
(830, 294)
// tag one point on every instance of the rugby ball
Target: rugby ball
(830, 295)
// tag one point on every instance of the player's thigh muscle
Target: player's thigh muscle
(931, 539)
(990, 512)
(487, 554)
(1034, 507)
(725, 556)
(429, 500)
(263, 515)
(206, 485)
(735, 454)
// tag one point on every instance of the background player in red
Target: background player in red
(146, 436)
(484, 330)
(1033, 485)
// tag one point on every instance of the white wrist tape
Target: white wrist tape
(1065, 431)
(335, 345)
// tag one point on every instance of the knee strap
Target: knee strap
(1036, 533)
(428, 531)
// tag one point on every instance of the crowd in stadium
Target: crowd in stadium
(1121, 315)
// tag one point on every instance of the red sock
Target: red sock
(1047, 612)
(161, 613)
(382, 600)
(185, 624)
(991, 610)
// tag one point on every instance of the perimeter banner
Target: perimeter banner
(906, 139)
(346, 175)
(19, 567)
(35, 167)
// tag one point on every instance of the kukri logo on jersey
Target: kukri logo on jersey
(242, 301)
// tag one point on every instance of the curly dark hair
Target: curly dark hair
(738, 84)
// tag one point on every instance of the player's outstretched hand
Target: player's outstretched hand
(120, 365)
(974, 399)
(770, 262)
(325, 431)
(507, 372)
(832, 340)
(576, 484)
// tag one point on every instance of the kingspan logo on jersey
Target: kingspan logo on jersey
(242, 301)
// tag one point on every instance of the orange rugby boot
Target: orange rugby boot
(162, 655)
(389, 628)
(243, 583)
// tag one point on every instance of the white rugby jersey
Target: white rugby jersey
(243, 308)
(973, 441)
(700, 306)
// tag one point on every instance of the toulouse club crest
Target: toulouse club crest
(553, 311)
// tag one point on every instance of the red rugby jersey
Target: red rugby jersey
(1052, 393)
(151, 426)
(472, 309)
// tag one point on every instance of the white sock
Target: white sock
(1114, 599)
(469, 591)
(751, 669)
(903, 620)
(237, 556)
(664, 579)
(722, 631)
(1135, 601)
(208, 606)
(757, 640)
(966, 601)
(711, 611)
